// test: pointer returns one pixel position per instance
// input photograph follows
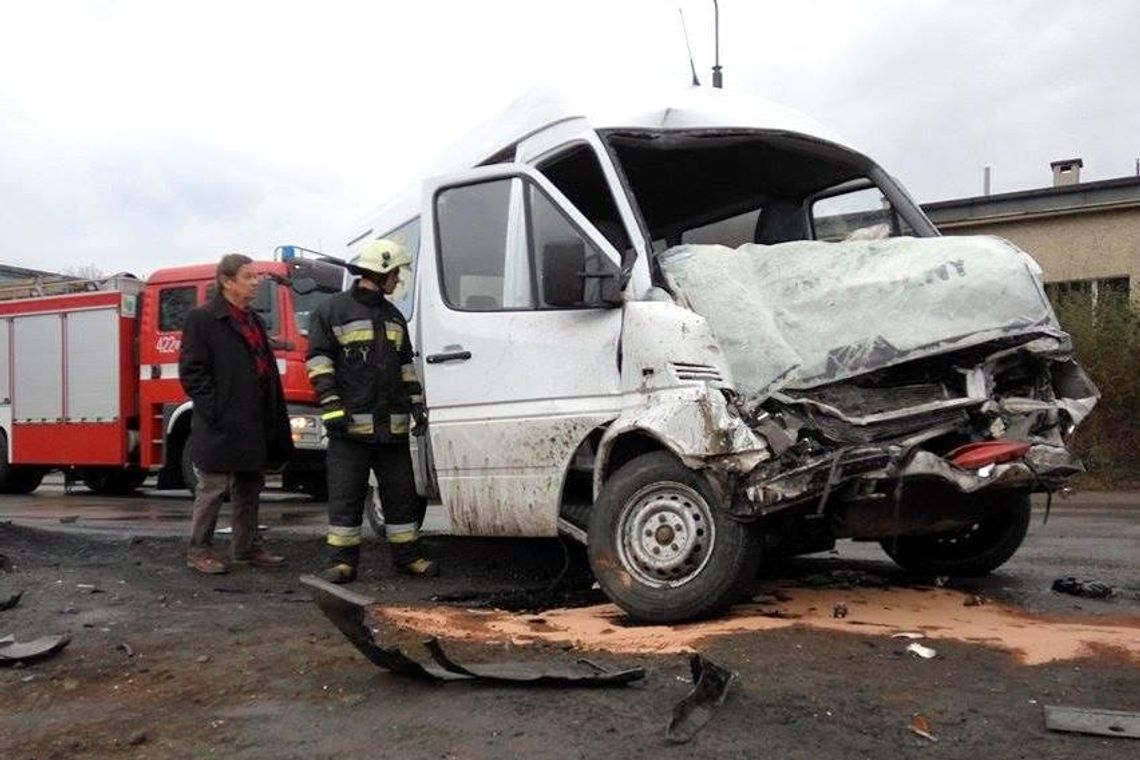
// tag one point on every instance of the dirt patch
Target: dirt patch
(935, 613)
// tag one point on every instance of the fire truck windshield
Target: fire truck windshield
(313, 282)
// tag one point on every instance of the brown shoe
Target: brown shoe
(206, 562)
(263, 558)
(420, 567)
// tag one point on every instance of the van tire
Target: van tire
(661, 547)
(978, 549)
(14, 478)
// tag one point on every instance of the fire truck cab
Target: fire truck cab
(89, 374)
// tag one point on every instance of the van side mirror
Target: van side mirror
(570, 279)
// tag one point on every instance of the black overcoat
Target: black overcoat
(235, 427)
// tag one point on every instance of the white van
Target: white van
(697, 331)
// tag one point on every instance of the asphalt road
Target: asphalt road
(164, 663)
(1092, 536)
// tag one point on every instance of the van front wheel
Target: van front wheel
(661, 549)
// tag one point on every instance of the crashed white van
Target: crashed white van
(697, 331)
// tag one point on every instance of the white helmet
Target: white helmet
(381, 256)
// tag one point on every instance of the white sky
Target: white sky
(136, 134)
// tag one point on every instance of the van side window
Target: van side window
(408, 235)
(493, 239)
(174, 304)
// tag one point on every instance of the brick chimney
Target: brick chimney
(1067, 172)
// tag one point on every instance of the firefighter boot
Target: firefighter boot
(409, 560)
(345, 560)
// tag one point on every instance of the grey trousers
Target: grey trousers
(245, 492)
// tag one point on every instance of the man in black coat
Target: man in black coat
(240, 425)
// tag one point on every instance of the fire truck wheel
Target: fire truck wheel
(16, 478)
(113, 481)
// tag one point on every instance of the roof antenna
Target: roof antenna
(692, 66)
(718, 81)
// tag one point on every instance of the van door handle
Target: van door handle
(449, 356)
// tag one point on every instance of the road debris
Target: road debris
(919, 650)
(12, 651)
(126, 648)
(90, 588)
(1088, 589)
(907, 635)
(839, 610)
(920, 725)
(347, 611)
(69, 519)
(1085, 720)
(710, 688)
(11, 601)
(973, 600)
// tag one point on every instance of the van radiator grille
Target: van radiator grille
(701, 372)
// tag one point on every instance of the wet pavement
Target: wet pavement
(1091, 536)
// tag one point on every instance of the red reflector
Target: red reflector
(974, 455)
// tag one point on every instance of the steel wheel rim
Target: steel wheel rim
(665, 535)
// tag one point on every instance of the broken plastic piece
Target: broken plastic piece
(347, 610)
(12, 651)
(710, 689)
(920, 725)
(1089, 589)
(919, 650)
(1082, 720)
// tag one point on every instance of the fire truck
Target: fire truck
(89, 374)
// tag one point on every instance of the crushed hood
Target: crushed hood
(809, 313)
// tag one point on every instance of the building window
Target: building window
(1102, 293)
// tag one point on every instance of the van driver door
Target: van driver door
(517, 370)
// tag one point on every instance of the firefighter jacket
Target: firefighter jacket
(360, 365)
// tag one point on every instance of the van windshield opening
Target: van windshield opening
(733, 187)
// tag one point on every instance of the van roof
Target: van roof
(541, 108)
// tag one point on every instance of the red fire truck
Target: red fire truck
(89, 374)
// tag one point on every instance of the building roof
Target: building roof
(1106, 194)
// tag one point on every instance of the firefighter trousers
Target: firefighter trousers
(348, 463)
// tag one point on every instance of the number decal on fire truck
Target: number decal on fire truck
(168, 344)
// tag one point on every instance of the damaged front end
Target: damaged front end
(902, 388)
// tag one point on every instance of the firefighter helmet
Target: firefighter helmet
(381, 256)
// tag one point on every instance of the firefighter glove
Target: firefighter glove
(419, 414)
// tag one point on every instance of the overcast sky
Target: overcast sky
(139, 134)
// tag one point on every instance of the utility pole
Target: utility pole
(718, 81)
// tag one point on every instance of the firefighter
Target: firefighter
(360, 364)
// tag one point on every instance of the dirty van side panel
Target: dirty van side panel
(509, 489)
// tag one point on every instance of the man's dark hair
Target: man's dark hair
(228, 267)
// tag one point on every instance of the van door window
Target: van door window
(174, 305)
(475, 224)
(552, 233)
(856, 210)
(494, 238)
